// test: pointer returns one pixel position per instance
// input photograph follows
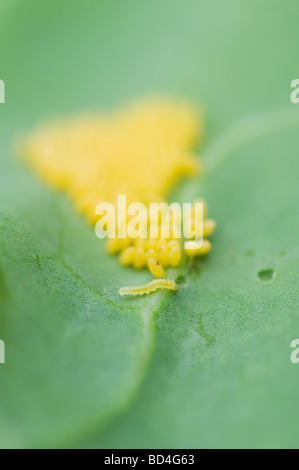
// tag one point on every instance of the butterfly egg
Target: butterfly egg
(155, 268)
(151, 253)
(114, 245)
(203, 250)
(127, 256)
(173, 244)
(151, 243)
(125, 242)
(139, 258)
(163, 255)
(208, 227)
(175, 256)
(160, 242)
(141, 243)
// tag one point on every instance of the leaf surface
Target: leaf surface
(76, 353)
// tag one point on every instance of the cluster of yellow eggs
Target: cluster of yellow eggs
(141, 151)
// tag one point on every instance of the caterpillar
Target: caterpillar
(148, 288)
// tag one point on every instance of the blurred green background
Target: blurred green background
(211, 366)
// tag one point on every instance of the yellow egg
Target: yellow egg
(139, 258)
(175, 256)
(151, 253)
(203, 250)
(127, 256)
(140, 243)
(113, 245)
(208, 227)
(173, 244)
(155, 268)
(163, 255)
(151, 243)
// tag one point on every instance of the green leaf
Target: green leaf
(77, 355)
(74, 352)
(221, 375)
